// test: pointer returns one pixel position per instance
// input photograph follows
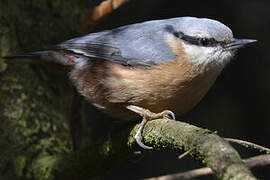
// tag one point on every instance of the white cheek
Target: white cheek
(206, 56)
(197, 54)
(225, 57)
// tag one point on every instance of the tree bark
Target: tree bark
(33, 128)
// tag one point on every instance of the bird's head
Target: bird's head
(206, 41)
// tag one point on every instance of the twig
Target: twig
(261, 160)
(184, 154)
(256, 161)
(90, 19)
(249, 144)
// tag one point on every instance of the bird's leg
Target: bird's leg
(147, 116)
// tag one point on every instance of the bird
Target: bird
(154, 69)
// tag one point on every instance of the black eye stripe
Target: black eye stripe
(191, 40)
(206, 42)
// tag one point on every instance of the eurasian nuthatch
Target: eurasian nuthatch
(161, 64)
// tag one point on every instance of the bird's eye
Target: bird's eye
(204, 41)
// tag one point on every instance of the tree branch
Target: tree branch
(207, 147)
(89, 19)
(261, 160)
(248, 144)
(212, 150)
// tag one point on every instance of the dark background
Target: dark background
(238, 104)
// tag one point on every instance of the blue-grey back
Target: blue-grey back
(143, 43)
(136, 44)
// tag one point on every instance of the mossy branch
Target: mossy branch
(212, 150)
(207, 147)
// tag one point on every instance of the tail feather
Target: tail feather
(27, 57)
(40, 57)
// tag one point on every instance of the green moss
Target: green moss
(3, 66)
(33, 124)
(20, 164)
(34, 99)
(44, 166)
(106, 148)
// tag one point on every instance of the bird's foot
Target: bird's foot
(147, 116)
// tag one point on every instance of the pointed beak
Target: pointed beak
(239, 43)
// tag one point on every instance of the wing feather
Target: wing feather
(140, 44)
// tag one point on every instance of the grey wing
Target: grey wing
(141, 44)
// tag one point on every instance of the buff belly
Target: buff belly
(176, 85)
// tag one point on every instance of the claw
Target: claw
(138, 135)
(167, 114)
(148, 115)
